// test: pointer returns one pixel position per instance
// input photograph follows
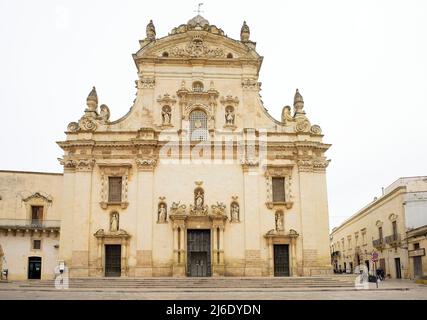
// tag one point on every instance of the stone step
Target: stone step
(198, 283)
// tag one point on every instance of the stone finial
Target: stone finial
(151, 31)
(92, 100)
(244, 32)
(298, 103)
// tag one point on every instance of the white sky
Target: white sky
(361, 67)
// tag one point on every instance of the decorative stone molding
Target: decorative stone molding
(38, 196)
(146, 164)
(279, 171)
(392, 217)
(379, 223)
(114, 170)
(302, 125)
(85, 164)
(196, 48)
(218, 209)
(204, 100)
(248, 162)
(251, 84)
(177, 209)
(315, 129)
(119, 237)
(148, 82)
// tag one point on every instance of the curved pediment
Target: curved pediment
(197, 44)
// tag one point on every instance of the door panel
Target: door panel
(398, 270)
(418, 267)
(199, 253)
(113, 258)
(281, 260)
(34, 267)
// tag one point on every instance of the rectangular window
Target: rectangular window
(278, 189)
(37, 244)
(36, 215)
(380, 232)
(394, 223)
(115, 189)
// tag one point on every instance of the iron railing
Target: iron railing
(378, 243)
(393, 239)
(29, 223)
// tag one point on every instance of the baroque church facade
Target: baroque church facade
(197, 179)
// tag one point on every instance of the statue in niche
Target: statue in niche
(162, 212)
(199, 199)
(114, 222)
(279, 221)
(166, 115)
(229, 116)
(234, 208)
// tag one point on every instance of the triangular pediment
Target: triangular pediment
(197, 44)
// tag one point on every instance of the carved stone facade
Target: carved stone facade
(180, 198)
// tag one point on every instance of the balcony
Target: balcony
(336, 254)
(29, 225)
(393, 240)
(378, 243)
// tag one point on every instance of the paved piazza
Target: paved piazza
(388, 290)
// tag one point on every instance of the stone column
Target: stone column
(314, 218)
(81, 212)
(145, 213)
(221, 245)
(124, 258)
(253, 263)
(99, 258)
(182, 248)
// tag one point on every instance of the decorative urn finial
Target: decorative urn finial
(298, 103)
(245, 32)
(151, 31)
(92, 100)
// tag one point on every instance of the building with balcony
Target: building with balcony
(393, 226)
(29, 223)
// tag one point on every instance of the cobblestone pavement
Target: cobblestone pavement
(404, 289)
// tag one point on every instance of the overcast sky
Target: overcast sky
(361, 67)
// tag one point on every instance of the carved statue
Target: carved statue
(162, 212)
(104, 114)
(286, 114)
(151, 31)
(234, 211)
(229, 116)
(199, 200)
(114, 222)
(244, 32)
(279, 222)
(166, 115)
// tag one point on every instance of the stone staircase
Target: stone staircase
(224, 283)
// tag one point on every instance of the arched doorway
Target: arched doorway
(34, 267)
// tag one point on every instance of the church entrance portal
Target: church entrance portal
(199, 253)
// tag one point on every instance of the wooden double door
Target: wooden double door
(199, 253)
(113, 257)
(281, 260)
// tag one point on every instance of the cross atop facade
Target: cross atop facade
(198, 8)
